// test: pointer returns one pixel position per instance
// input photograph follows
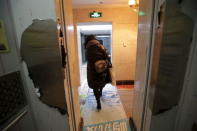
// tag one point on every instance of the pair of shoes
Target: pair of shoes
(98, 105)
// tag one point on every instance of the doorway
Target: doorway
(123, 53)
(102, 31)
(146, 26)
(121, 45)
(110, 99)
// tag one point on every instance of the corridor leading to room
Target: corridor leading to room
(117, 98)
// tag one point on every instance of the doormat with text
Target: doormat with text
(117, 125)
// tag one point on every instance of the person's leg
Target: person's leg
(100, 91)
(97, 96)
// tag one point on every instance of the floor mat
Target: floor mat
(112, 108)
(117, 125)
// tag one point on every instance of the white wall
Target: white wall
(187, 113)
(24, 11)
(9, 62)
(188, 110)
(8, 65)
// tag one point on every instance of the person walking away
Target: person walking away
(98, 64)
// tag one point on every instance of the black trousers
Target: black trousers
(98, 93)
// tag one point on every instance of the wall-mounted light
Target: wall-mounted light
(134, 4)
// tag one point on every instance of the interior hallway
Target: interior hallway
(123, 51)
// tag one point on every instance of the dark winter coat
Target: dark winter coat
(94, 52)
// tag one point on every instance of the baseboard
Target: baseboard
(125, 82)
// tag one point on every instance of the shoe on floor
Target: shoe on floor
(98, 106)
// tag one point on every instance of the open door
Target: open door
(145, 19)
(172, 42)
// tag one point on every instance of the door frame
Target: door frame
(157, 4)
(60, 14)
(142, 85)
(60, 10)
(79, 44)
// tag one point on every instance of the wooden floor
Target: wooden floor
(126, 96)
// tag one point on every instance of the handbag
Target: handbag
(101, 66)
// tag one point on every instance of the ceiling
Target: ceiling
(98, 2)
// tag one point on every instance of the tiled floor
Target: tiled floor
(112, 108)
